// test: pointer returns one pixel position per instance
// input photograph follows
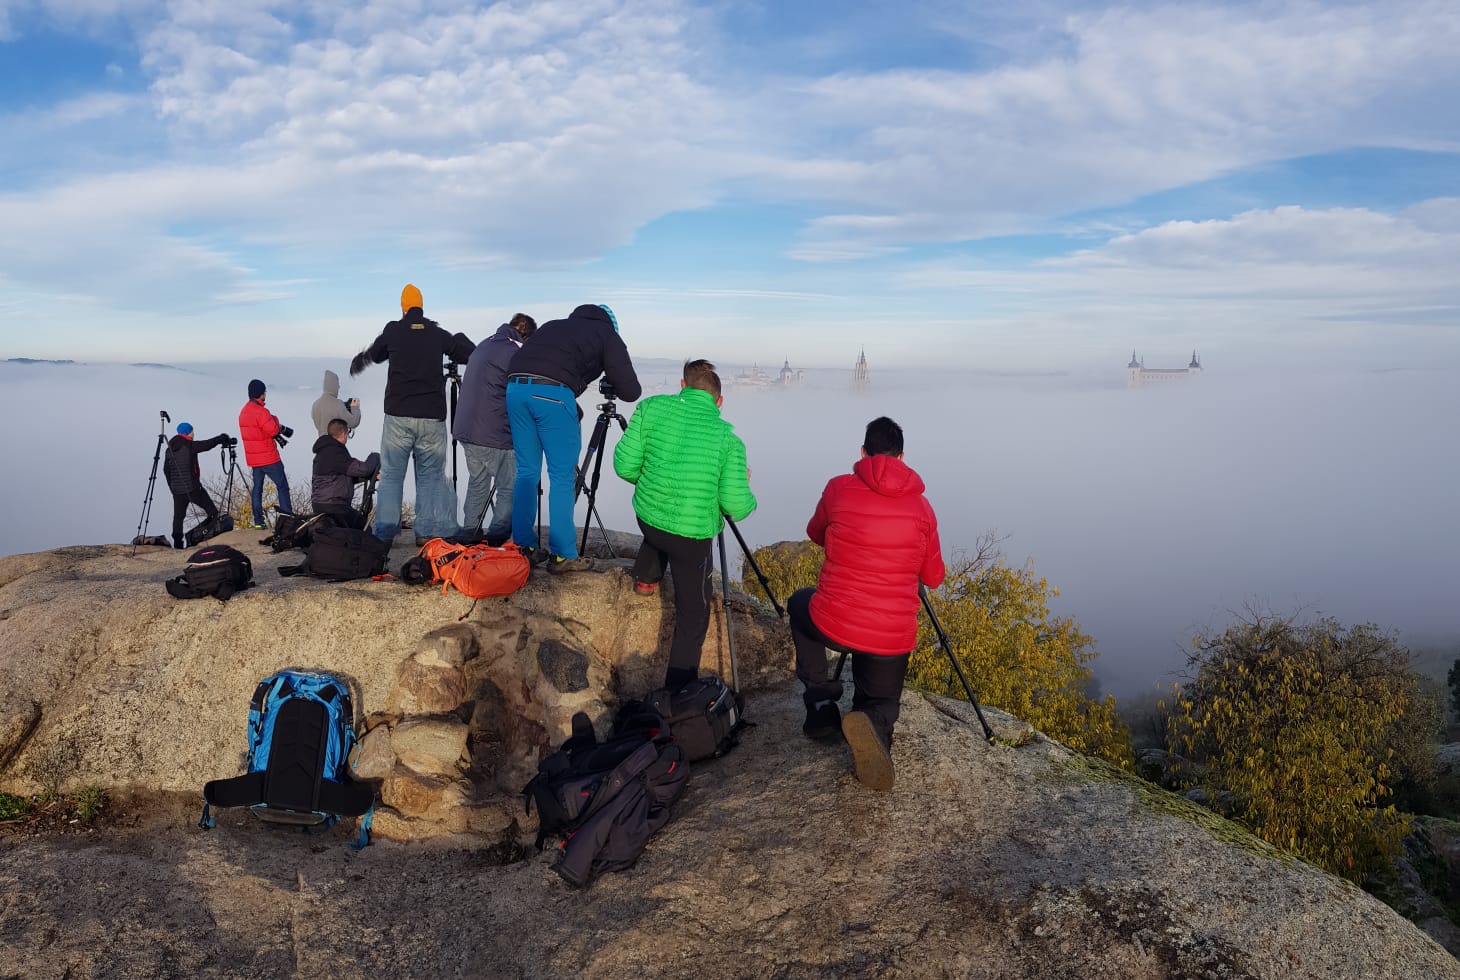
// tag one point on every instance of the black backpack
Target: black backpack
(341, 554)
(606, 799)
(218, 571)
(705, 715)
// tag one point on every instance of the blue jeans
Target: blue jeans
(544, 421)
(489, 470)
(275, 472)
(401, 439)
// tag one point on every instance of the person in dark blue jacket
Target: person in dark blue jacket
(484, 432)
(545, 379)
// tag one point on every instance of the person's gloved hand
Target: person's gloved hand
(359, 362)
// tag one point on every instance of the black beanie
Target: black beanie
(255, 388)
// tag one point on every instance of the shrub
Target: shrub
(1298, 723)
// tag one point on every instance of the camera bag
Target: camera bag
(209, 528)
(294, 531)
(341, 554)
(218, 571)
(705, 716)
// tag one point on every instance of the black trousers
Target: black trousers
(180, 503)
(877, 678)
(690, 566)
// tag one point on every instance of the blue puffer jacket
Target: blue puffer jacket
(481, 414)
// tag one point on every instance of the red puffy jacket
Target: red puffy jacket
(881, 540)
(257, 427)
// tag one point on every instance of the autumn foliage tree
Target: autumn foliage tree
(1017, 655)
(1297, 723)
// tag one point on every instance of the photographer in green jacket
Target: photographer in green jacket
(688, 467)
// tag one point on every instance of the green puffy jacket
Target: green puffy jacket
(687, 465)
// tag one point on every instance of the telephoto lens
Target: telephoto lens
(286, 431)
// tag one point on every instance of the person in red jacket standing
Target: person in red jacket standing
(881, 541)
(259, 429)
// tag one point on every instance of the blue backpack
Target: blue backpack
(301, 728)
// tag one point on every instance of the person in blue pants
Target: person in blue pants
(554, 366)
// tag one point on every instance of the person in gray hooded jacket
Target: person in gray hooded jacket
(329, 406)
(484, 432)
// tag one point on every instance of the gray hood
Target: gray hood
(332, 384)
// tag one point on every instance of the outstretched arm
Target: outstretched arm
(619, 369)
(374, 354)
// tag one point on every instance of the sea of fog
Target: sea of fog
(1156, 512)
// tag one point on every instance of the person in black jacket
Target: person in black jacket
(335, 474)
(180, 467)
(482, 428)
(415, 418)
(545, 378)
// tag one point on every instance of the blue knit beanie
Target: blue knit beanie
(185, 428)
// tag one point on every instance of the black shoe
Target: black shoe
(823, 722)
(871, 758)
(495, 541)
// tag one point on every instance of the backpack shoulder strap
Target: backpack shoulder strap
(179, 588)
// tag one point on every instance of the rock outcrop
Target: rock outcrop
(112, 682)
(1012, 859)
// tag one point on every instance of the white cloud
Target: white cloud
(1283, 278)
(1147, 100)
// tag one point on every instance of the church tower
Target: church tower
(861, 377)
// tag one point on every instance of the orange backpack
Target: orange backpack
(476, 570)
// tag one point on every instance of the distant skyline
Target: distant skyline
(936, 182)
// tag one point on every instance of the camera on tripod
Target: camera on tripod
(285, 434)
(605, 388)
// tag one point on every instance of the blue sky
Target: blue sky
(1041, 188)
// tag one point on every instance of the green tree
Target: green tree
(1298, 723)
(1017, 656)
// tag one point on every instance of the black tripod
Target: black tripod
(367, 499)
(750, 560)
(594, 456)
(453, 379)
(151, 480)
(230, 466)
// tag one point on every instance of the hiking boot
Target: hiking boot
(645, 588)
(823, 721)
(534, 556)
(497, 540)
(562, 566)
(871, 759)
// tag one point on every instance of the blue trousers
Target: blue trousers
(544, 421)
(275, 472)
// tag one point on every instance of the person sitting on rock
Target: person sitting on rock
(881, 541)
(335, 474)
(688, 468)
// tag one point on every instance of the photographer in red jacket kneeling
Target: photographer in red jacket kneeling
(881, 541)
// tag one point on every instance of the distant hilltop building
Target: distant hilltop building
(754, 378)
(1137, 374)
(861, 377)
(790, 376)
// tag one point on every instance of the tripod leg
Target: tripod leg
(592, 457)
(988, 732)
(750, 559)
(151, 487)
(841, 662)
(729, 630)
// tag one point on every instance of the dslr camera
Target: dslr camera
(285, 434)
(605, 388)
